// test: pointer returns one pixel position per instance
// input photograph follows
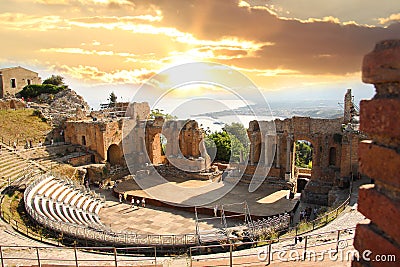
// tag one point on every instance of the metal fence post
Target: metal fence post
(190, 255)
(38, 257)
(115, 257)
(76, 257)
(155, 256)
(337, 241)
(1, 256)
(230, 255)
(305, 248)
(269, 252)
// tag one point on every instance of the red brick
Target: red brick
(380, 116)
(367, 239)
(379, 163)
(383, 64)
(358, 264)
(381, 210)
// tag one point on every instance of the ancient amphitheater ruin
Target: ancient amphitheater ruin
(103, 217)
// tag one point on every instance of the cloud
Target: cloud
(390, 19)
(297, 44)
(105, 40)
(92, 73)
(363, 12)
(24, 22)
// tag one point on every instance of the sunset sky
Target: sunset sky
(288, 48)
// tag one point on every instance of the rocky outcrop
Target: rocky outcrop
(56, 109)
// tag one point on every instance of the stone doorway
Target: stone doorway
(114, 155)
(303, 154)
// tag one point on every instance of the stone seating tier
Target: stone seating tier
(60, 201)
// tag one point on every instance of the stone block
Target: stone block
(368, 240)
(379, 163)
(380, 117)
(381, 210)
(382, 65)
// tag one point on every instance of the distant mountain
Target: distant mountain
(326, 109)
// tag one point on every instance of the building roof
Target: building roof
(18, 67)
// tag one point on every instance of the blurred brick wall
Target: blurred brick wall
(380, 156)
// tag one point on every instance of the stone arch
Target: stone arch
(114, 155)
(314, 159)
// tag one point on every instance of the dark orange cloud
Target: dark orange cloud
(313, 46)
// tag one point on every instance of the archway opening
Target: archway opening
(114, 155)
(303, 162)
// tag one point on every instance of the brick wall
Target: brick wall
(380, 157)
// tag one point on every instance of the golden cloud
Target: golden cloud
(91, 73)
(390, 19)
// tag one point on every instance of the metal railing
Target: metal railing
(255, 253)
(300, 248)
(77, 256)
(320, 221)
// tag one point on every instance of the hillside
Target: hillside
(22, 125)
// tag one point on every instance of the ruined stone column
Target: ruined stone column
(252, 151)
(278, 152)
(142, 146)
(288, 144)
(269, 149)
(288, 156)
(265, 156)
(172, 139)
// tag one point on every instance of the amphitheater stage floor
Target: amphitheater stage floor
(177, 216)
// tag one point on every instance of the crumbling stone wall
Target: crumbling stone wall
(189, 138)
(12, 103)
(184, 144)
(138, 111)
(320, 132)
(331, 151)
(96, 136)
(380, 157)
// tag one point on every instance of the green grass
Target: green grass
(13, 209)
(22, 125)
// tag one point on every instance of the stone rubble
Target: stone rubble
(56, 109)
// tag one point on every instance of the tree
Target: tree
(228, 143)
(239, 131)
(303, 154)
(222, 145)
(112, 99)
(56, 80)
(160, 113)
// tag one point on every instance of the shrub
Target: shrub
(54, 80)
(33, 90)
